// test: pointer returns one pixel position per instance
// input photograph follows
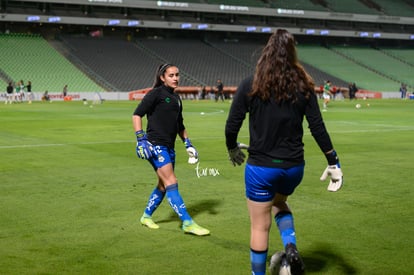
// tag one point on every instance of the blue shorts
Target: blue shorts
(262, 183)
(163, 156)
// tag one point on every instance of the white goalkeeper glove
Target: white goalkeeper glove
(236, 156)
(334, 171)
(191, 151)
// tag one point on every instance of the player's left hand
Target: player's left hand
(335, 172)
(191, 151)
(236, 155)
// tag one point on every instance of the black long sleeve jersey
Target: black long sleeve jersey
(164, 111)
(276, 129)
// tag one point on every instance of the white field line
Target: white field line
(389, 129)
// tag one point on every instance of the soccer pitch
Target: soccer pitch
(72, 191)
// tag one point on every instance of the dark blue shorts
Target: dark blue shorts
(163, 156)
(262, 183)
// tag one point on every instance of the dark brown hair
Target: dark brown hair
(161, 71)
(278, 72)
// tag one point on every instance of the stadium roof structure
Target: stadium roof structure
(208, 17)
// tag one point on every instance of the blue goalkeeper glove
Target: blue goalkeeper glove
(191, 151)
(334, 171)
(144, 147)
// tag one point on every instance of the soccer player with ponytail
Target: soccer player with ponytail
(164, 112)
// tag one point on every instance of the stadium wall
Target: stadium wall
(185, 93)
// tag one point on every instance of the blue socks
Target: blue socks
(284, 221)
(154, 201)
(176, 202)
(258, 262)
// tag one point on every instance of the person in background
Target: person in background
(326, 95)
(219, 90)
(45, 96)
(65, 91)
(164, 111)
(352, 90)
(16, 95)
(403, 90)
(277, 97)
(29, 92)
(22, 90)
(9, 93)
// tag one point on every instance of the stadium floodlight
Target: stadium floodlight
(202, 26)
(33, 18)
(266, 29)
(324, 32)
(133, 23)
(113, 22)
(53, 19)
(186, 25)
(376, 35)
(310, 31)
(251, 29)
(363, 34)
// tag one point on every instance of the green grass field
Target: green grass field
(72, 190)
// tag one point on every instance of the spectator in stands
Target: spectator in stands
(277, 98)
(403, 90)
(352, 90)
(9, 93)
(164, 111)
(219, 90)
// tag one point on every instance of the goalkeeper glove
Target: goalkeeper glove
(191, 151)
(334, 171)
(236, 156)
(144, 147)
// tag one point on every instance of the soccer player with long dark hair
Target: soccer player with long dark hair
(277, 97)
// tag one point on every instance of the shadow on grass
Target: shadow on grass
(321, 257)
(207, 206)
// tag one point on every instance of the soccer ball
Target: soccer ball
(358, 106)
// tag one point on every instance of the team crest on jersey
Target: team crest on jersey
(168, 100)
(161, 158)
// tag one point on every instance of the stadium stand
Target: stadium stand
(350, 6)
(198, 60)
(404, 55)
(378, 62)
(396, 7)
(114, 63)
(129, 65)
(249, 3)
(297, 5)
(30, 57)
(118, 61)
(344, 68)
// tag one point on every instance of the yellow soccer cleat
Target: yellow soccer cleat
(148, 222)
(191, 227)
